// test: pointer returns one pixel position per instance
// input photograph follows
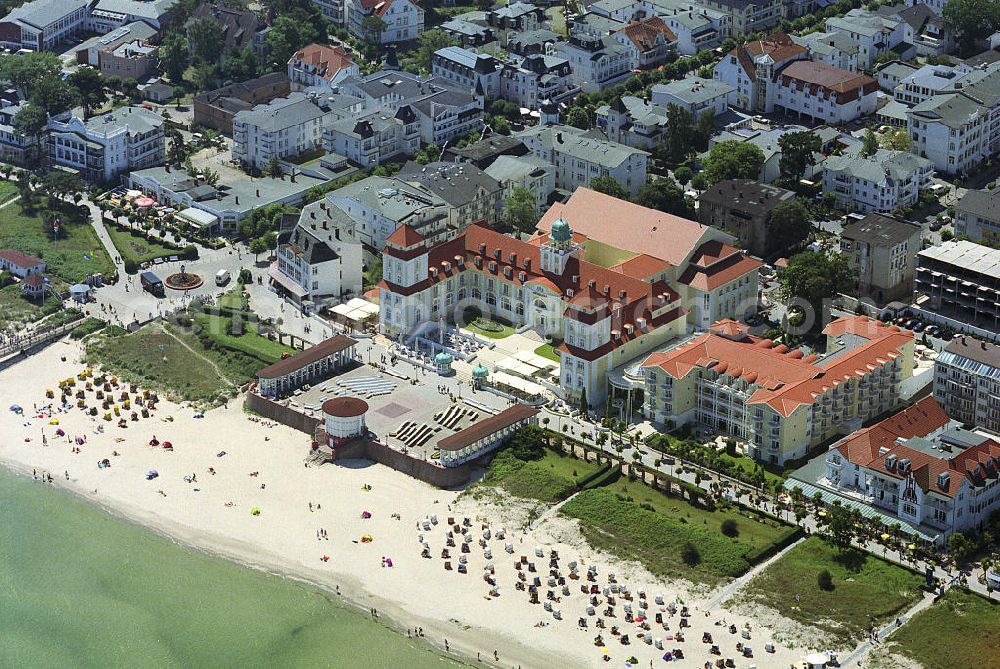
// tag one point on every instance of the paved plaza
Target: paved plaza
(409, 408)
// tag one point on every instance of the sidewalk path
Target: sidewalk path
(729, 590)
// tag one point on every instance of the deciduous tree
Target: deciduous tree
(519, 210)
(798, 152)
(733, 159)
(790, 225)
(609, 186)
(972, 21)
(206, 39)
(90, 90)
(174, 56)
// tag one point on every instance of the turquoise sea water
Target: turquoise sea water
(80, 588)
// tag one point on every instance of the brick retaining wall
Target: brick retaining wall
(436, 475)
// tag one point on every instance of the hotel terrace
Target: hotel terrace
(779, 400)
(609, 294)
(920, 467)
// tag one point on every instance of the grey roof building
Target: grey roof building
(230, 201)
(883, 251)
(977, 216)
(695, 94)
(485, 151)
(743, 208)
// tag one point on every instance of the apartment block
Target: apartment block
(967, 382)
(780, 401)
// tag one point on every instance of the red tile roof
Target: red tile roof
(636, 229)
(778, 46)
(486, 427)
(327, 60)
(641, 266)
(643, 34)
(376, 7)
(715, 264)
(19, 258)
(828, 81)
(404, 237)
(597, 292)
(785, 379)
(919, 420)
(872, 447)
(405, 243)
(34, 280)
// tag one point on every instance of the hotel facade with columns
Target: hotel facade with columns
(605, 303)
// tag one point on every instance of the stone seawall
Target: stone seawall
(282, 414)
(436, 475)
(442, 477)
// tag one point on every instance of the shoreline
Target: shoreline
(240, 488)
(349, 596)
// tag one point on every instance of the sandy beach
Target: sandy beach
(264, 467)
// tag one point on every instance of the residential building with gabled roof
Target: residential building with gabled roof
(403, 20)
(781, 401)
(632, 121)
(580, 156)
(957, 129)
(919, 467)
(875, 35)
(320, 65)
(648, 42)
(318, 256)
(884, 181)
(751, 63)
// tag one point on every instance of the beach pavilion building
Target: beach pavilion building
(317, 362)
(486, 435)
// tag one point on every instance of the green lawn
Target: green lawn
(749, 465)
(959, 631)
(137, 248)
(557, 15)
(547, 351)
(153, 358)
(15, 308)
(551, 479)
(234, 299)
(7, 191)
(490, 329)
(70, 258)
(865, 589)
(635, 522)
(218, 329)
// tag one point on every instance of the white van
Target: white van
(222, 277)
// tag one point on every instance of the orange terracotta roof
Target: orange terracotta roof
(785, 379)
(376, 7)
(591, 292)
(404, 237)
(711, 350)
(919, 420)
(327, 60)
(636, 229)
(643, 33)
(715, 264)
(883, 345)
(641, 266)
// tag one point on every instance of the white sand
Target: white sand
(282, 539)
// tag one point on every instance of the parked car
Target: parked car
(933, 330)
(919, 327)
